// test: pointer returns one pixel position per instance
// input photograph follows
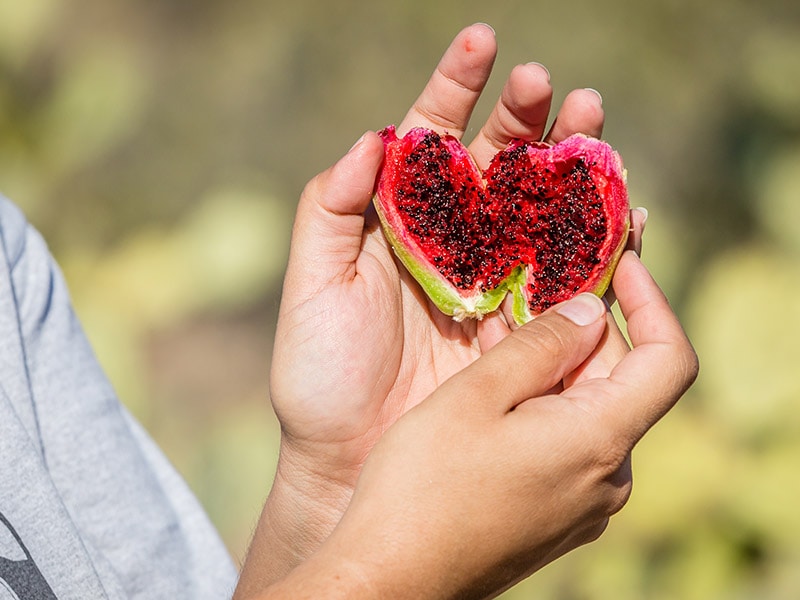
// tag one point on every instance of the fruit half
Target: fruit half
(543, 223)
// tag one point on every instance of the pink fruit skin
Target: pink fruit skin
(541, 183)
(396, 152)
(609, 177)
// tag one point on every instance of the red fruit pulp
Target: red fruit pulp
(558, 213)
(552, 216)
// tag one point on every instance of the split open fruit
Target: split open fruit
(543, 223)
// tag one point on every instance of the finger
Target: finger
(531, 360)
(638, 219)
(613, 347)
(659, 369)
(329, 225)
(451, 93)
(521, 112)
(581, 112)
(491, 330)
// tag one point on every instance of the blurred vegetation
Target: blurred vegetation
(160, 147)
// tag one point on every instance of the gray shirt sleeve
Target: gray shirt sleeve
(89, 507)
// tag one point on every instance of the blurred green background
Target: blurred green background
(160, 147)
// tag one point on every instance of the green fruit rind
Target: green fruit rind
(522, 313)
(445, 296)
(614, 175)
(520, 282)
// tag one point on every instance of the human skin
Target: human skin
(494, 475)
(358, 344)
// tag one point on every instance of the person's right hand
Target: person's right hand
(358, 343)
(494, 475)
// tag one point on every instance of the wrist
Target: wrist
(360, 562)
(322, 576)
(303, 507)
(306, 502)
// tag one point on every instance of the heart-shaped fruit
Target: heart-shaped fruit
(542, 222)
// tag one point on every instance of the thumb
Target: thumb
(329, 224)
(531, 360)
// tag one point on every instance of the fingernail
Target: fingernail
(599, 95)
(494, 33)
(643, 211)
(583, 309)
(538, 64)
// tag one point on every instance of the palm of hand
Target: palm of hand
(358, 344)
(354, 356)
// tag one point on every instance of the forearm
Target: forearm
(300, 512)
(356, 567)
(319, 578)
(364, 561)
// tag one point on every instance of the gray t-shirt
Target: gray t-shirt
(89, 507)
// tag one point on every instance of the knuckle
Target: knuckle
(612, 469)
(312, 187)
(494, 134)
(593, 532)
(437, 117)
(614, 476)
(685, 367)
(619, 497)
(691, 365)
(684, 357)
(610, 461)
(545, 338)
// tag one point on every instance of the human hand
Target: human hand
(358, 343)
(493, 476)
